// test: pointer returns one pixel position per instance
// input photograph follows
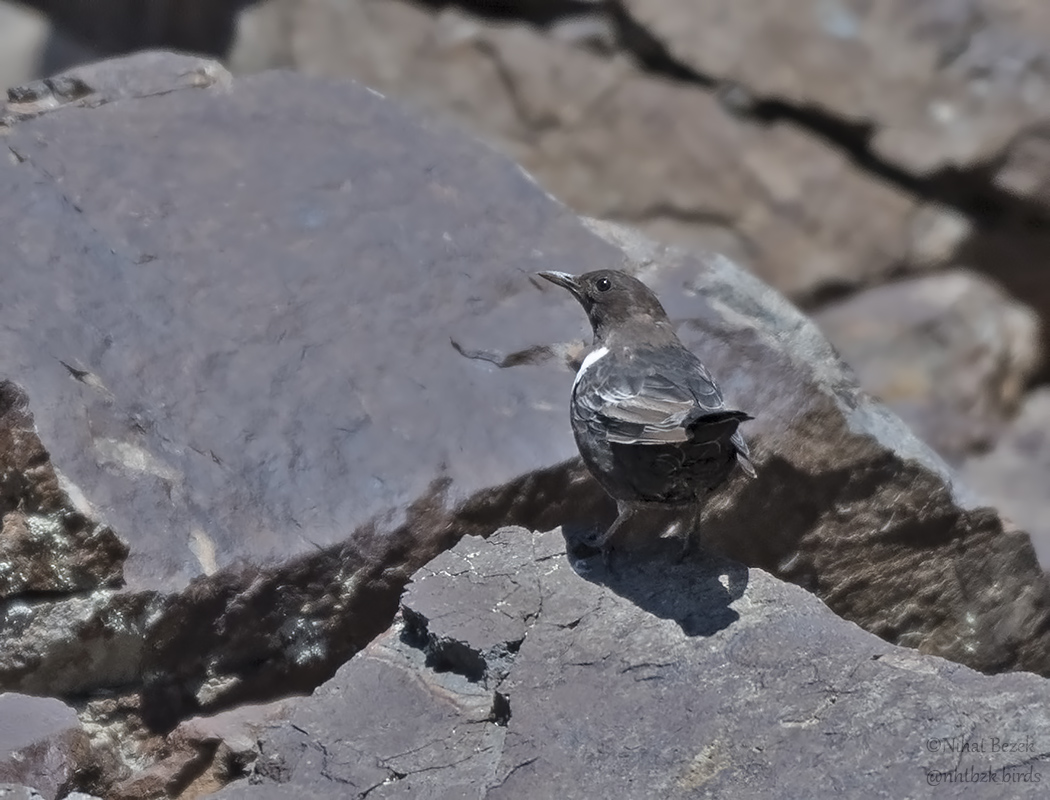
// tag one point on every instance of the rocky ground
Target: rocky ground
(272, 354)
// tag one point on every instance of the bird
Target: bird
(649, 421)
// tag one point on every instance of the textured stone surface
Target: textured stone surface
(46, 545)
(41, 745)
(230, 413)
(944, 83)
(78, 645)
(217, 427)
(617, 143)
(663, 680)
(1015, 475)
(849, 142)
(950, 353)
(11, 791)
(63, 629)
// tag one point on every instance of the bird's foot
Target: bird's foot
(607, 557)
(600, 541)
(685, 550)
(595, 545)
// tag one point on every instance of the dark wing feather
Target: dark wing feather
(654, 404)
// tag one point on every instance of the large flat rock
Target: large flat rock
(523, 679)
(247, 355)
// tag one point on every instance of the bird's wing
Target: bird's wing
(654, 405)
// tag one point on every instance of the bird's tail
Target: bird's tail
(716, 424)
(743, 456)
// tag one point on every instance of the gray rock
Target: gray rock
(41, 745)
(11, 791)
(615, 141)
(944, 84)
(46, 544)
(28, 720)
(1014, 476)
(77, 645)
(23, 34)
(950, 353)
(301, 444)
(31, 47)
(662, 680)
(262, 454)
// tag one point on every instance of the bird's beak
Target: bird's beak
(563, 279)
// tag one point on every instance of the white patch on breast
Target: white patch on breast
(588, 362)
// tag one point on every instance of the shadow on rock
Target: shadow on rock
(696, 593)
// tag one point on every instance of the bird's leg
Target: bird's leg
(691, 526)
(625, 512)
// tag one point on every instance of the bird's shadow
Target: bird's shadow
(696, 592)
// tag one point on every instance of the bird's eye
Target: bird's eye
(603, 284)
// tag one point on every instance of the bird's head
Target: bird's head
(610, 298)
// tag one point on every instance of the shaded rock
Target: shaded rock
(438, 666)
(62, 630)
(42, 745)
(617, 143)
(661, 680)
(1012, 255)
(46, 545)
(196, 758)
(180, 771)
(10, 791)
(413, 733)
(1025, 168)
(23, 34)
(30, 47)
(942, 84)
(950, 353)
(70, 647)
(114, 27)
(232, 739)
(1015, 475)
